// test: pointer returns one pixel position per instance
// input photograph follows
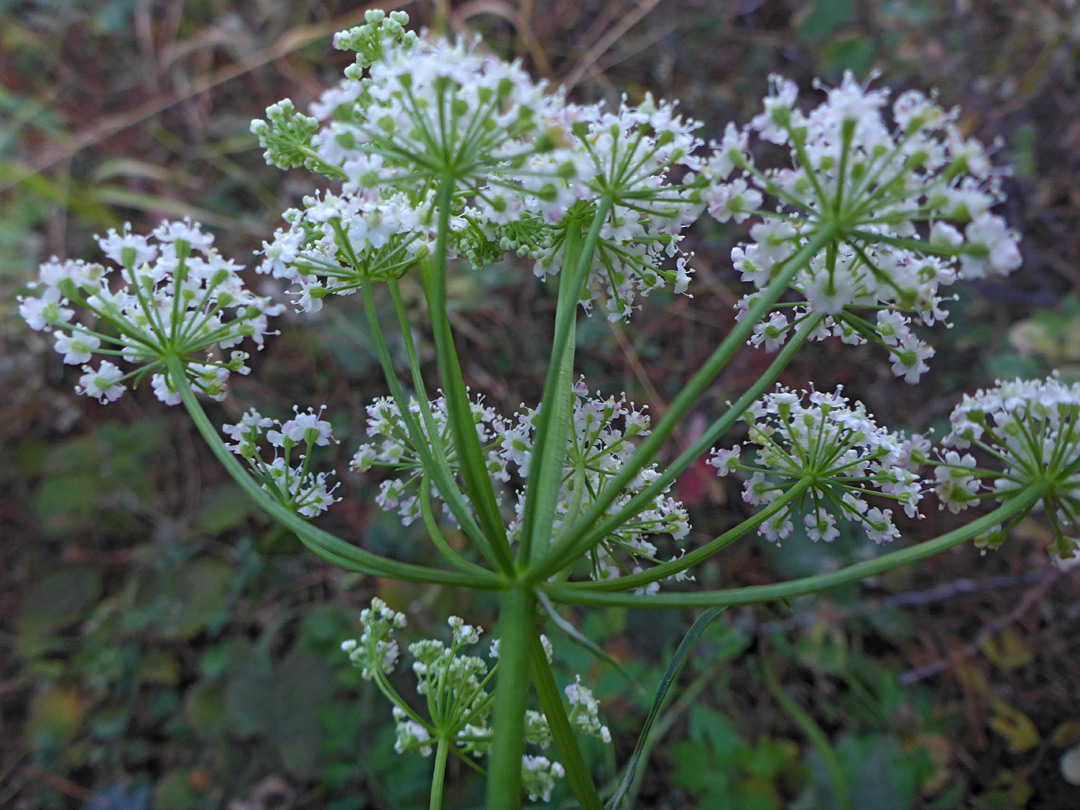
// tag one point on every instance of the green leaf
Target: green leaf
(302, 682)
(56, 713)
(1009, 650)
(717, 731)
(174, 792)
(822, 17)
(283, 701)
(226, 507)
(58, 600)
(856, 53)
(204, 710)
(185, 600)
(249, 691)
(1016, 727)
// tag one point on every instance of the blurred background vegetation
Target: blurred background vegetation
(162, 646)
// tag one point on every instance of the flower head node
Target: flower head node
(906, 198)
(839, 454)
(604, 435)
(169, 294)
(1028, 432)
(286, 476)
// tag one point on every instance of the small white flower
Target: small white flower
(103, 384)
(76, 347)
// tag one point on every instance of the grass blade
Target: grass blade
(682, 654)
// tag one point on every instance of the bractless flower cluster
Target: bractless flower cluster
(456, 689)
(836, 449)
(171, 294)
(395, 449)
(528, 168)
(287, 476)
(336, 243)
(909, 201)
(630, 156)
(1029, 433)
(603, 436)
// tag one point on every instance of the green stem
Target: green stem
(326, 545)
(438, 775)
(427, 445)
(511, 695)
(1019, 504)
(556, 404)
(813, 733)
(592, 526)
(562, 733)
(433, 530)
(714, 546)
(470, 455)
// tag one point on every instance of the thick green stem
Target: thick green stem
(438, 775)
(470, 455)
(511, 696)
(326, 545)
(591, 527)
(577, 772)
(556, 406)
(1016, 505)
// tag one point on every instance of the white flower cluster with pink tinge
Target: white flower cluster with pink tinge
(527, 167)
(835, 445)
(603, 436)
(1028, 432)
(170, 293)
(908, 195)
(286, 476)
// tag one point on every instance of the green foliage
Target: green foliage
(723, 771)
(96, 483)
(56, 602)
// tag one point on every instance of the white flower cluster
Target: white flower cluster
(395, 449)
(170, 294)
(602, 438)
(291, 484)
(456, 690)
(376, 650)
(528, 167)
(538, 775)
(836, 447)
(629, 156)
(910, 203)
(1029, 432)
(336, 243)
(585, 710)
